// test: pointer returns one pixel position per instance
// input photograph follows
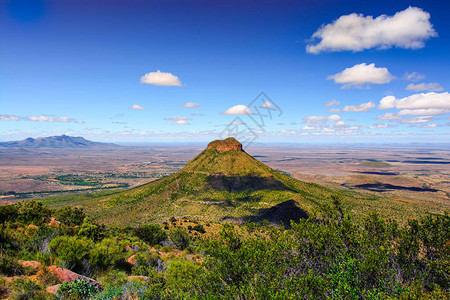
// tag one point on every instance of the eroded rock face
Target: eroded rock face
(225, 145)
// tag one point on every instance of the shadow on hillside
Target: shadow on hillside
(281, 213)
(244, 183)
(383, 187)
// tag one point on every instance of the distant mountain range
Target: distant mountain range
(59, 141)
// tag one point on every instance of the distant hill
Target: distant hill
(221, 183)
(59, 141)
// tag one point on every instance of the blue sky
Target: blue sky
(152, 71)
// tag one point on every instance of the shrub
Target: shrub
(33, 212)
(76, 290)
(72, 251)
(70, 216)
(9, 266)
(152, 234)
(199, 228)
(180, 238)
(108, 253)
(90, 230)
(26, 289)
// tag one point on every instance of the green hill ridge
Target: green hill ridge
(221, 183)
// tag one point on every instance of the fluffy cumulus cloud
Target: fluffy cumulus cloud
(358, 108)
(432, 86)
(426, 104)
(43, 118)
(161, 78)
(354, 32)
(361, 74)
(387, 102)
(332, 102)
(137, 107)
(334, 118)
(9, 118)
(190, 104)
(179, 120)
(238, 110)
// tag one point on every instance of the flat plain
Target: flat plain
(413, 177)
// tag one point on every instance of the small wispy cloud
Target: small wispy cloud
(332, 103)
(10, 118)
(432, 86)
(190, 104)
(414, 76)
(179, 120)
(137, 107)
(43, 118)
(364, 107)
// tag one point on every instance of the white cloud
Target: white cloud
(419, 104)
(268, 104)
(9, 118)
(313, 119)
(161, 78)
(190, 104)
(334, 118)
(340, 123)
(43, 118)
(332, 110)
(332, 102)
(406, 29)
(179, 120)
(414, 76)
(387, 102)
(361, 74)
(237, 123)
(238, 110)
(417, 120)
(383, 125)
(423, 112)
(135, 106)
(432, 86)
(389, 116)
(307, 127)
(362, 107)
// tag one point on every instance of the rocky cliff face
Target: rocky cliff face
(225, 145)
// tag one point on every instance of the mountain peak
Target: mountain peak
(225, 145)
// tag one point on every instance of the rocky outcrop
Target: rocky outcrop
(53, 289)
(65, 275)
(225, 145)
(35, 265)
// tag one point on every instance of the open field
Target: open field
(412, 178)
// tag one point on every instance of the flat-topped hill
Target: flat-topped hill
(225, 145)
(223, 182)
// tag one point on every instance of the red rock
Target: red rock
(65, 275)
(53, 289)
(30, 263)
(225, 145)
(131, 260)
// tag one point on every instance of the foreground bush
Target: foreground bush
(77, 290)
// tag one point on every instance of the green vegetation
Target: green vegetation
(329, 256)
